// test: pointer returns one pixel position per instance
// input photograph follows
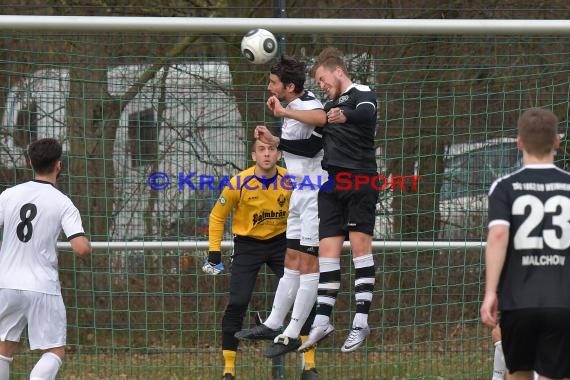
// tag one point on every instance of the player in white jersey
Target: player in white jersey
(32, 215)
(298, 286)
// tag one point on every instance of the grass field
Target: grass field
(331, 364)
(156, 324)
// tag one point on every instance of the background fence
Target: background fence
(128, 104)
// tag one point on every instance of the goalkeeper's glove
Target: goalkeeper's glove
(213, 264)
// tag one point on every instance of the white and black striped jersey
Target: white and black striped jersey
(300, 166)
(33, 215)
(535, 203)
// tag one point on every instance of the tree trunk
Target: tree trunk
(92, 121)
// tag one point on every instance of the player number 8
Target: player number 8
(26, 222)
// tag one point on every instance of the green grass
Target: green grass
(155, 325)
(331, 364)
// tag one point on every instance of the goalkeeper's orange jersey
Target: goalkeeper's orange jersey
(260, 207)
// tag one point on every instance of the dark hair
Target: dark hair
(331, 58)
(44, 154)
(537, 131)
(289, 70)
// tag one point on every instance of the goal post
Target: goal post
(154, 112)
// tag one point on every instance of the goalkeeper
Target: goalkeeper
(258, 197)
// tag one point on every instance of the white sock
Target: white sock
(321, 319)
(5, 367)
(499, 366)
(360, 320)
(306, 297)
(46, 368)
(284, 298)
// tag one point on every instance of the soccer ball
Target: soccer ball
(259, 46)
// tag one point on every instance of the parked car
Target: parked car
(470, 169)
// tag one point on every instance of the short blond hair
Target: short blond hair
(330, 58)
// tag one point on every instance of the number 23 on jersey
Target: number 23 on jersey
(555, 209)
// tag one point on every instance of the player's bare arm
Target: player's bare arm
(306, 147)
(316, 117)
(264, 135)
(495, 254)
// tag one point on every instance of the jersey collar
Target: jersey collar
(40, 181)
(540, 166)
(349, 88)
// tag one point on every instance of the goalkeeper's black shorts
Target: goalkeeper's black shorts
(248, 258)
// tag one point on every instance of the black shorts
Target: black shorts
(308, 249)
(344, 208)
(248, 257)
(537, 339)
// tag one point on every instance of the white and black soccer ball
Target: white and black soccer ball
(259, 46)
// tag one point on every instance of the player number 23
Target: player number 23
(557, 208)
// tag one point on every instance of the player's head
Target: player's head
(330, 72)
(537, 134)
(265, 155)
(286, 77)
(45, 156)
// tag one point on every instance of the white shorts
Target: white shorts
(44, 314)
(303, 220)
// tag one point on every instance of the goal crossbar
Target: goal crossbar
(283, 25)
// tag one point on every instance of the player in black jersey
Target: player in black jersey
(349, 124)
(527, 277)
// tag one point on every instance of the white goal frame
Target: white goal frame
(283, 25)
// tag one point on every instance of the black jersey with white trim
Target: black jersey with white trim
(351, 145)
(535, 203)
